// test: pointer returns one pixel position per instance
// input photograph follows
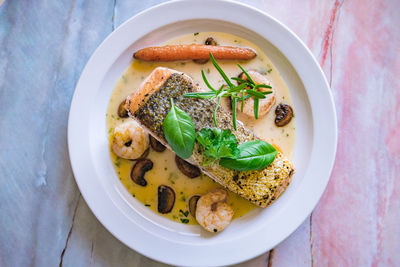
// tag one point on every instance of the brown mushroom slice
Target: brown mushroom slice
(157, 146)
(166, 199)
(192, 204)
(122, 112)
(209, 41)
(139, 169)
(284, 114)
(186, 168)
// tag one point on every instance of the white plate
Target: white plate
(157, 237)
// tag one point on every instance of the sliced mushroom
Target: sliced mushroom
(122, 112)
(192, 204)
(209, 41)
(284, 114)
(157, 146)
(166, 199)
(139, 169)
(186, 168)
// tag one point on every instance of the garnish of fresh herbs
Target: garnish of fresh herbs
(179, 131)
(217, 143)
(238, 93)
(222, 145)
(253, 155)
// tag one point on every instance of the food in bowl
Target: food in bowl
(192, 175)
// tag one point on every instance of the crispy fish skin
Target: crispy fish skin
(151, 103)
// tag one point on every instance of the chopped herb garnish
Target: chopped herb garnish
(184, 220)
(196, 33)
(147, 205)
(172, 177)
(117, 163)
(133, 195)
(183, 198)
(185, 213)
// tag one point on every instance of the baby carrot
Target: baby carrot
(193, 51)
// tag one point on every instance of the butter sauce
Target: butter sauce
(165, 170)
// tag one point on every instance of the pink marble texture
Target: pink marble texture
(357, 43)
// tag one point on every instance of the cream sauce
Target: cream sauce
(164, 170)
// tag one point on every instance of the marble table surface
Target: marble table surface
(44, 46)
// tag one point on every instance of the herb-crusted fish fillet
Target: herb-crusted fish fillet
(151, 103)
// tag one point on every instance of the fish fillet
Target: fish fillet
(151, 103)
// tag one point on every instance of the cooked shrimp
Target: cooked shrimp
(193, 51)
(265, 104)
(130, 140)
(213, 212)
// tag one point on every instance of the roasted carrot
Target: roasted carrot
(193, 51)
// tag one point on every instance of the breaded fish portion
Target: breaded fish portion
(150, 104)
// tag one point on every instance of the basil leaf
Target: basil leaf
(217, 143)
(253, 155)
(179, 131)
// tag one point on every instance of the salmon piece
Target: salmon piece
(151, 103)
(193, 52)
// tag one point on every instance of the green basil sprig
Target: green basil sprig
(179, 131)
(253, 155)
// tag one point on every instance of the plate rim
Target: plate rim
(333, 126)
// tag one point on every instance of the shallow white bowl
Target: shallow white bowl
(175, 243)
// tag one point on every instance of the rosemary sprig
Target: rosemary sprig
(236, 92)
